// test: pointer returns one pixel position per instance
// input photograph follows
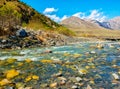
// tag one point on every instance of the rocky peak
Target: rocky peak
(115, 23)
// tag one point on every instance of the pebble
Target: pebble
(43, 85)
(52, 85)
(118, 72)
(72, 79)
(92, 52)
(57, 74)
(74, 87)
(78, 79)
(89, 87)
(115, 76)
(62, 80)
(28, 88)
(21, 88)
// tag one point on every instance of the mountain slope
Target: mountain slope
(115, 23)
(101, 24)
(14, 13)
(85, 28)
(75, 22)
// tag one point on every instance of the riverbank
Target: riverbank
(27, 39)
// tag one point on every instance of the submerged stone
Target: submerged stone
(115, 76)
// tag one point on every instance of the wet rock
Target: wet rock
(92, 52)
(83, 71)
(4, 41)
(53, 85)
(43, 85)
(99, 46)
(21, 33)
(48, 51)
(72, 79)
(20, 85)
(28, 88)
(74, 87)
(21, 88)
(89, 87)
(115, 76)
(4, 82)
(78, 79)
(57, 74)
(62, 80)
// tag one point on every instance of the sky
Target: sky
(59, 10)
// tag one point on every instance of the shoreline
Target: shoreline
(42, 39)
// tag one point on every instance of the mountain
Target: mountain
(14, 14)
(90, 28)
(75, 22)
(115, 23)
(102, 24)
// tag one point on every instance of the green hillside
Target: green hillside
(14, 13)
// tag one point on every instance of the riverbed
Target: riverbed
(85, 65)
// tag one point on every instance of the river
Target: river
(98, 67)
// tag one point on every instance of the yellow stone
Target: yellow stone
(91, 59)
(76, 55)
(118, 72)
(20, 64)
(4, 82)
(28, 60)
(87, 67)
(28, 79)
(93, 66)
(11, 73)
(11, 60)
(92, 82)
(83, 71)
(66, 54)
(19, 84)
(46, 61)
(53, 85)
(35, 77)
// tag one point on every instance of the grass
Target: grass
(99, 33)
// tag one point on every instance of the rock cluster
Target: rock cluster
(24, 38)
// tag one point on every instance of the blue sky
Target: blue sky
(89, 9)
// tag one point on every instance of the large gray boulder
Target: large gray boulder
(21, 33)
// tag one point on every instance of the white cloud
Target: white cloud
(64, 17)
(97, 15)
(54, 17)
(49, 13)
(49, 10)
(94, 15)
(79, 14)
